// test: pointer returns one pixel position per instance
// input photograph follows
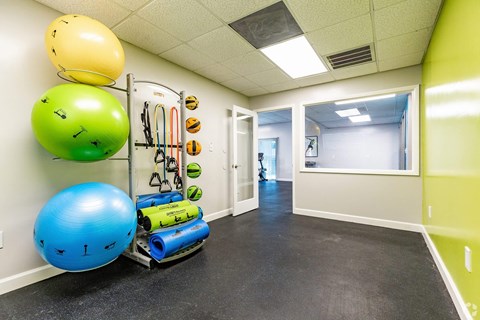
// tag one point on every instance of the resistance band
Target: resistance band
(159, 157)
(147, 130)
(159, 152)
(166, 243)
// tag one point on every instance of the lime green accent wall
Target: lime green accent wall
(451, 143)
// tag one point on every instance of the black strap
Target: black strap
(147, 130)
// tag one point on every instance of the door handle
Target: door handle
(235, 166)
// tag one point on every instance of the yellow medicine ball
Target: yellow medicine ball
(191, 102)
(193, 125)
(76, 42)
(194, 147)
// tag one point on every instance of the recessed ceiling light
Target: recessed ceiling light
(348, 112)
(296, 57)
(385, 96)
(364, 118)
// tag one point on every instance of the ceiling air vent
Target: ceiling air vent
(351, 57)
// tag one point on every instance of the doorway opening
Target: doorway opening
(267, 158)
(275, 142)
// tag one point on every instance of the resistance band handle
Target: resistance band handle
(155, 180)
(165, 186)
(172, 165)
(178, 182)
(159, 153)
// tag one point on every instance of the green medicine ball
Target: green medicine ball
(194, 170)
(194, 193)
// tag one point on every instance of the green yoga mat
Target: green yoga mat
(142, 213)
(170, 217)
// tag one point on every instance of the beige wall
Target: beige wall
(30, 177)
(362, 197)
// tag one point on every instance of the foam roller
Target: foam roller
(170, 217)
(166, 243)
(155, 199)
(142, 213)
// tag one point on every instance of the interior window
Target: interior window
(374, 133)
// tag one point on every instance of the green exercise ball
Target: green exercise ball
(80, 122)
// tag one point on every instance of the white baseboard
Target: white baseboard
(362, 220)
(217, 215)
(281, 179)
(26, 278)
(447, 278)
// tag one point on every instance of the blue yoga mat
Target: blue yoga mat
(156, 199)
(165, 243)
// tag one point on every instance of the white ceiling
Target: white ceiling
(195, 35)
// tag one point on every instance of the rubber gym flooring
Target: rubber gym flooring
(265, 264)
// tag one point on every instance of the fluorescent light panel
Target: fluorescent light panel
(364, 118)
(348, 112)
(296, 57)
(385, 96)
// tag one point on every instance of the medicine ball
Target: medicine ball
(193, 125)
(194, 147)
(194, 170)
(194, 193)
(191, 102)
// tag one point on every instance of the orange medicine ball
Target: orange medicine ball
(194, 147)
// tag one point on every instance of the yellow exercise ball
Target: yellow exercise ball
(85, 49)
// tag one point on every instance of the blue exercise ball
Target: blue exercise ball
(85, 226)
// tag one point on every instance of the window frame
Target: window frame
(415, 131)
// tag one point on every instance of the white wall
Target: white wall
(282, 131)
(30, 177)
(358, 197)
(360, 147)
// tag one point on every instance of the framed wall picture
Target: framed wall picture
(311, 146)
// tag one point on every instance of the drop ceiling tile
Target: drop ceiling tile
(288, 85)
(131, 4)
(239, 84)
(404, 17)
(232, 10)
(252, 62)
(379, 4)
(315, 14)
(145, 35)
(403, 44)
(186, 19)
(105, 11)
(355, 71)
(313, 80)
(254, 92)
(217, 72)
(401, 62)
(221, 44)
(342, 36)
(187, 57)
(268, 77)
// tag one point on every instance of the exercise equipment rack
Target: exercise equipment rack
(140, 238)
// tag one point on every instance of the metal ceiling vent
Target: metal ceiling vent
(268, 26)
(351, 57)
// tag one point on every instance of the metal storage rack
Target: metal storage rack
(140, 238)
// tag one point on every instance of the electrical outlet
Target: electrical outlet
(1, 239)
(429, 212)
(468, 259)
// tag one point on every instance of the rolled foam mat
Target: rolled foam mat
(142, 213)
(169, 217)
(165, 243)
(155, 199)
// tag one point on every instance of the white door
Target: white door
(245, 160)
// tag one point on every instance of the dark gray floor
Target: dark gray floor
(266, 264)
